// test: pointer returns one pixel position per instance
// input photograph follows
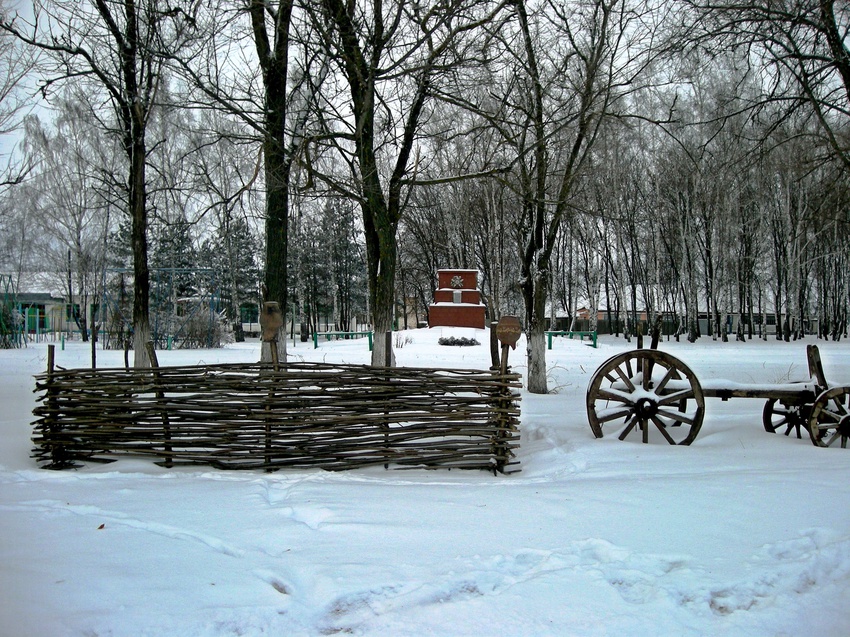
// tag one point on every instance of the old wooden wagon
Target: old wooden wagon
(653, 393)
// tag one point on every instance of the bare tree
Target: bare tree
(16, 63)
(250, 62)
(225, 167)
(390, 57)
(271, 24)
(803, 49)
(69, 205)
(573, 67)
(118, 46)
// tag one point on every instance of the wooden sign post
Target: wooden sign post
(508, 332)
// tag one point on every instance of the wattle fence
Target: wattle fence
(258, 416)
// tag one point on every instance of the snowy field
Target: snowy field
(742, 533)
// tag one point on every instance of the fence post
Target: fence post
(508, 331)
(388, 361)
(271, 319)
(58, 455)
(388, 349)
(639, 365)
(494, 345)
(160, 397)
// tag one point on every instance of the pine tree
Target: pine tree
(232, 254)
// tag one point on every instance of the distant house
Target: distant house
(43, 312)
(38, 305)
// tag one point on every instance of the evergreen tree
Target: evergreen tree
(232, 254)
(176, 278)
(347, 262)
(175, 256)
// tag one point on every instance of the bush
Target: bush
(458, 342)
(10, 327)
(202, 331)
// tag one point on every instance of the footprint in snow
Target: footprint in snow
(116, 518)
(787, 568)
(309, 516)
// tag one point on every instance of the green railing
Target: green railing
(338, 335)
(591, 336)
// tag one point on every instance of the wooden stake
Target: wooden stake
(388, 361)
(160, 396)
(816, 366)
(149, 348)
(271, 398)
(275, 355)
(494, 346)
(58, 456)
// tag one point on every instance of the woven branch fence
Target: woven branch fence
(250, 416)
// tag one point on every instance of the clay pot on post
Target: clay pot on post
(271, 319)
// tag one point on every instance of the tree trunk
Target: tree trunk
(381, 249)
(277, 241)
(235, 312)
(277, 171)
(141, 274)
(273, 54)
(536, 334)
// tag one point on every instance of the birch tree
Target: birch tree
(574, 67)
(70, 204)
(803, 53)
(16, 63)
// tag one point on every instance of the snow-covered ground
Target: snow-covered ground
(742, 533)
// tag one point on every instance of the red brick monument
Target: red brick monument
(457, 301)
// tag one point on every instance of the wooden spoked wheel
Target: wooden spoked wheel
(783, 418)
(829, 422)
(645, 390)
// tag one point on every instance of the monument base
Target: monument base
(456, 315)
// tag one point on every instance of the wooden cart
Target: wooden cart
(654, 393)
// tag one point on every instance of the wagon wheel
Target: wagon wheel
(779, 417)
(622, 396)
(829, 422)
